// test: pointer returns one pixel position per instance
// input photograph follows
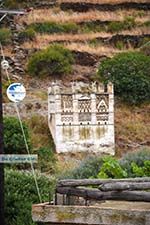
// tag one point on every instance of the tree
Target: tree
(130, 73)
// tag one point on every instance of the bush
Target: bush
(5, 36)
(143, 171)
(138, 158)
(111, 169)
(13, 138)
(21, 193)
(52, 27)
(87, 168)
(55, 60)
(27, 35)
(130, 73)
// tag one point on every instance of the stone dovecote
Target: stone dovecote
(81, 117)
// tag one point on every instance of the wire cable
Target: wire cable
(23, 132)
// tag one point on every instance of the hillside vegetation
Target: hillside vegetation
(74, 40)
(92, 32)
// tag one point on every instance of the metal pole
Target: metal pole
(2, 222)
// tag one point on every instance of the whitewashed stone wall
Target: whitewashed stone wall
(81, 117)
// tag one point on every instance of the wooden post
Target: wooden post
(2, 222)
(96, 194)
(122, 186)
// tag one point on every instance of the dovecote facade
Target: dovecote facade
(81, 117)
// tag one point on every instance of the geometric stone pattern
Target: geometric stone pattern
(81, 117)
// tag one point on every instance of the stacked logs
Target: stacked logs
(135, 189)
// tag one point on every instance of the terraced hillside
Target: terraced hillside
(93, 31)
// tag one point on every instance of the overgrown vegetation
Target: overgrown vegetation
(55, 60)
(42, 144)
(130, 73)
(5, 36)
(13, 138)
(130, 165)
(87, 168)
(21, 193)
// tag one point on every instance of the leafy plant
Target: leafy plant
(141, 171)
(130, 73)
(21, 193)
(137, 158)
(55, 60)
(111, 168)
(13, 138)
(5, 36)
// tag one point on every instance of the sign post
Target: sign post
(1, 152)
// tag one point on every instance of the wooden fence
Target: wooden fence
(134, 189)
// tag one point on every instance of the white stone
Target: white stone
(81, 117)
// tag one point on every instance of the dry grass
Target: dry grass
(42, 41)
(44, 15)
(137, 31)
(104, 1)
(40, 134)
(132, 126)
(83, 47)
(99, 50)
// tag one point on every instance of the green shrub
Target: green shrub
(21, 193)
(13, 138)
(70, 27)
(143, 171)
(138, 158)
(46, 160)
(116, 26)
(52, 27)
(91, 27)
(111, 169)
(27, 34)
(5, 36)
(130, 73)
(86, 169)
(55, 60)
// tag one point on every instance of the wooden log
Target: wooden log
(96, 194)
(87, 182)
(121, 186)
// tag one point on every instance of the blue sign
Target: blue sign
(16, 92)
